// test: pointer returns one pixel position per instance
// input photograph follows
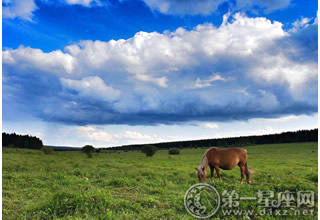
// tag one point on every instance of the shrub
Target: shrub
(149, 150)
(313, 177)
(88, 150)
(174, 151)
(47, 150)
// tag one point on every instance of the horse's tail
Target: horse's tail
(249, 171)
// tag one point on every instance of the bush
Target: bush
(47, 150)
(88, 150)
(149, 150)
(174, 151)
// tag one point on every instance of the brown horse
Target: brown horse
(226, 159)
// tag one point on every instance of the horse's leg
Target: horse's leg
(247, 173)
(218, 172)
(212, 173)
(242, 171)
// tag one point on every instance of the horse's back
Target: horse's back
(236, 152)
(222, 151)
(226, 158)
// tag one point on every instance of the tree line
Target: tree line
(21, 141)
(31, 142)
(285, 137)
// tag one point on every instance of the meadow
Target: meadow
(129, 185)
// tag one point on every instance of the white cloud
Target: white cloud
(300, 23)
(86, 3)
(262, 131)
(22, 9)
(210, 125)
(28, 59)
(133, 135)
(152, 56)
(92, 87)
(130, 136)
(279, 69)
(243, 91)
(279, 120)
(98, 135)
(161, 81)
(208, 82)
(94, 134)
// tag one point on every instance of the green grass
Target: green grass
(129, 185)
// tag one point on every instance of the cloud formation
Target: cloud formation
(86, 3)
(18, 9)
(208, 82)
(92, 87)
(210, 125)
(206, 7)
(246, 68)
(24, 9)
(99, 135)
(28, 59)
(184, 7)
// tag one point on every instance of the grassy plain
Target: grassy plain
(129, 185)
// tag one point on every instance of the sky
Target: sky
(119, 72)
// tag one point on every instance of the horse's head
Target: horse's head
(201, 173)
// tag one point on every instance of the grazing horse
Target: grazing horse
(226, 159)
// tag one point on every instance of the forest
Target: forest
(21, 141)
(285, 137)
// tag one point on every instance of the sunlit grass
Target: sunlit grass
(130, 185)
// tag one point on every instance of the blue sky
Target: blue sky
(115, 72)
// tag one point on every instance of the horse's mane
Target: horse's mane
(204, 160)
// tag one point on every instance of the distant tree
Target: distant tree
(88, 150)
(98, 150)
(21, 141)
(174, 151)
(149, 150)
(47, 150)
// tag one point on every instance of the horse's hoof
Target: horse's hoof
(249, 182)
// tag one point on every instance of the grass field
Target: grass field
(129, 185)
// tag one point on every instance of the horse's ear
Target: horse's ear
(202, 168)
